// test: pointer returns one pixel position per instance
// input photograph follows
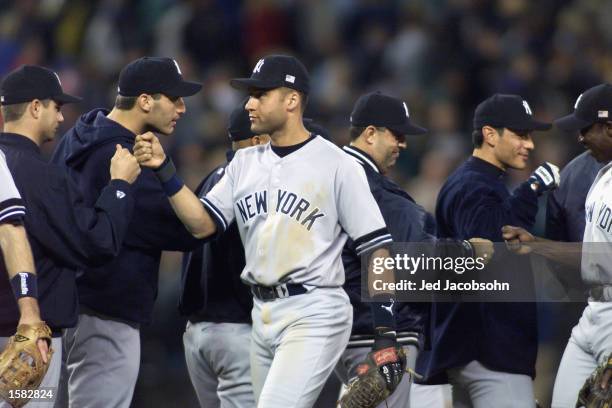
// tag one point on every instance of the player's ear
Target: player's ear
(489, 136)
(145, 102)
(369, 134)
(293, 100)
(35, 108)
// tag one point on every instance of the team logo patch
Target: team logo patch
(290, 78)
(58, 80)
(406, 109)
(19, 338)
(120, 194)
(602, 114)
(527, 108)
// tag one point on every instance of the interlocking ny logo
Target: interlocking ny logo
(406, 109)
(177, 67)
(58, 80)
(577, 101)
(527, 108)
(258, 66)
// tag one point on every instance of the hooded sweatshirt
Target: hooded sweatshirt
(124, 289)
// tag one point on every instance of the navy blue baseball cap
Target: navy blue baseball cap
(593, 105)
(152, 75)
(507, 111)
(30, 82)
(275, 71)
(377, 109)
(239, 127)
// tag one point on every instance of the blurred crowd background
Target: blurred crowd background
(441, 56)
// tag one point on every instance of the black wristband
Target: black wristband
(24, 284)
(166, 171)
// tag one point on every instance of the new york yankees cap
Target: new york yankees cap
(30, 82)
(593, 105)
(377, 109)
(275, 71)
(152, 75)
(507, 111)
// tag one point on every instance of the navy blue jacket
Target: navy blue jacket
(474, 202)
(565, 207)
(65, 233)
(406, 222)
(125, 288)
(212, 290)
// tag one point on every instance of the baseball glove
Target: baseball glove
(377, 378)
(592, 395)
(21, 364)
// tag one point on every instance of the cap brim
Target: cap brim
(184, 88)
(65, 98)
(531, 125)
(571, 123)
(408, 129)
(246, 83)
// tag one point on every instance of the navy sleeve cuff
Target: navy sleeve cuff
(372, 241)
(216, 214)
(12, 211)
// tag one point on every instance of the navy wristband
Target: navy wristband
(166, 171)
(24, 284)
(383, 311)
(172, 186)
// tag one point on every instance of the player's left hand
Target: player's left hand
(545, 178)
(515, 238)
(149, 151)
(389, 357)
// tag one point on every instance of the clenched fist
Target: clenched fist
(148, 151)
(123, 165)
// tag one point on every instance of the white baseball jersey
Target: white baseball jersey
(11, 206)
(597, 241)
(294, 212)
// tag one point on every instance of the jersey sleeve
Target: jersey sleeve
(219, 200)
(358, 212)
(12, 208)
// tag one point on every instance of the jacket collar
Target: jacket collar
(485, 167)
(19, 141)
(362, 157)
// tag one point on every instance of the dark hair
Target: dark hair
(478, 139)
(128, 102)
(14, 112)
(356, 131)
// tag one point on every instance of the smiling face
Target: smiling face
(165, 112)
(597, 138)
(508, 149)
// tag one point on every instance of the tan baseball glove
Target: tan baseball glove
(21, 364)
(592, 395)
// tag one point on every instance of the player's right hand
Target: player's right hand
(124, 166)
(149, 151)
(515, 238)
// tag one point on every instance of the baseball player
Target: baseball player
(103, 350)
(295, 201)
(217, 303)
(379, 125)
(591, 339)
(65, 234)
(485, 352)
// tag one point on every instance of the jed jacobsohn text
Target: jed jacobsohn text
(411, 264)
(445, 285)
